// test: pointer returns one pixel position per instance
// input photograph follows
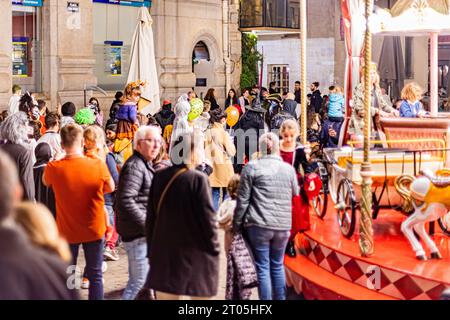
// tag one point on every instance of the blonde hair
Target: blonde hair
(290, 96)
(289, 124)
(39, 224)
(94, 138)
(412, 92)
(233, 186)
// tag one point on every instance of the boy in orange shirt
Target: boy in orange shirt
(79, 183)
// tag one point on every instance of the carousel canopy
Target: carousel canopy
(412, 17)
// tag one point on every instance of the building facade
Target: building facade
(61, 50)
(275, 23)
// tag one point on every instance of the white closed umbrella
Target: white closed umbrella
(143, 64)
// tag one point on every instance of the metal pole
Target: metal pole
(434, 95)
(303, 35)
(365, 229)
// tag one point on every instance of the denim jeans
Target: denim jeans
(216, 196)
(268, 248)
(138, 267)
(93, 253)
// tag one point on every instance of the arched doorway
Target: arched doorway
(202, 67)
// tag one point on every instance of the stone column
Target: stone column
(5, 52)
(235, 45)
(69, 60)
(175, 71)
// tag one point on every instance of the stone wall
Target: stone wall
(5, 52)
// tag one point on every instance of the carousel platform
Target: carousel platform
(329, 266)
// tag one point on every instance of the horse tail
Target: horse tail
(402, 185)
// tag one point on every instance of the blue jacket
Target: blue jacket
(336, 105)
(408, 110)
(127, 112)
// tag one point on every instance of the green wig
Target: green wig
(85, 117)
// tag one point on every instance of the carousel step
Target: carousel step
(301, 268)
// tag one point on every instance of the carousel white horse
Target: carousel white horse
(429, 196)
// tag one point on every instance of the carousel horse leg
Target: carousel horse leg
(407, 229)
(420, 229)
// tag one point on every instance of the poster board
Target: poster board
(20, 57)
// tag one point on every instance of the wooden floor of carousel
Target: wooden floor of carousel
(329, 266)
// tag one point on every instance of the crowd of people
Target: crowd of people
(160, 186)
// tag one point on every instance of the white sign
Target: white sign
(73, 7)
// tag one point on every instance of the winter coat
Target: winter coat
(290, 106)
(265, 194)
(182, 238)
(219, 149)
(241, 270)
(23, 158)
(132, 197)
(165, 117)
(30, 273)
(336, 105)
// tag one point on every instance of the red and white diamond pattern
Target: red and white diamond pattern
(391, 283)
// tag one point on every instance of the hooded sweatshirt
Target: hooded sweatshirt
(336, 105)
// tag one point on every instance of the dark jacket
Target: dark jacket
(132, 197)
(165, 117)
(298, 96)
(30, 273)
(182, 239)
(316, 101)
(44, 194)
(290, 107)
(22, 157)
(214, 104)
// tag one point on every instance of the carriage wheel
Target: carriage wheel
(346, 208)
(320, 203)
(444, 223)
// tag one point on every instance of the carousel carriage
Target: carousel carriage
(411, 145)
(340, 173)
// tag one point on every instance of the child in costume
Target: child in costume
(127, 121)
(226, 210)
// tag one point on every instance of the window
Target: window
(280, 75)
(113, 28)
(26, 43)
(270, 14)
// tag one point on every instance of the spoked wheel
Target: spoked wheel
(320, 203)
(346, 208)
(444, 223)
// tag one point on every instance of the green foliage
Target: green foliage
(250, 59)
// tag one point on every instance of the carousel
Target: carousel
(380, 228)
